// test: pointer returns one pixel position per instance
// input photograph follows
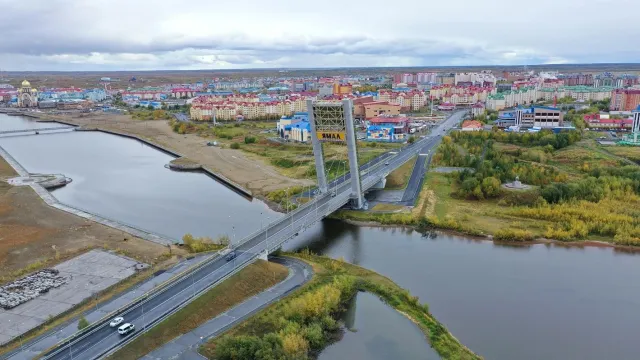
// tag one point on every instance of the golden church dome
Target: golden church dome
(26, 83)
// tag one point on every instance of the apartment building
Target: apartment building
(507, 99)
(625, 99)
(410, 100)
(482, 79)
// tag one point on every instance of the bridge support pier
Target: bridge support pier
(380, 184)
(264, 255)
(354, 168)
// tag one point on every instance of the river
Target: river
(526, 303)
(126, 180)
(375, 331)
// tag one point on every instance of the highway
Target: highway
(102, 339)
(186, 346)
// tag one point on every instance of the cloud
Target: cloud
(161, 34)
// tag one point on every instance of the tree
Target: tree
(412, 139)
(491, 187)
(82, 323)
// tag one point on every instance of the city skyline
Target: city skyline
(111, 35)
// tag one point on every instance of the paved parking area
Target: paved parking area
(85, 276)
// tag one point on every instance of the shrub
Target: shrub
(513, 235)
(201, 244)
(82, 323)
(249, 139)
(235, 145)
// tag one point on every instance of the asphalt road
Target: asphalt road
(423, 160)
(104, 338)
(186, 346)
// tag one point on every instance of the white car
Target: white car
(117, 321)
(125, 329)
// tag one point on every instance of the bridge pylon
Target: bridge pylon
(333, 122)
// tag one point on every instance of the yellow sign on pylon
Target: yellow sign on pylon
(331, 136)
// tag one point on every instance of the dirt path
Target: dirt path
(254, 175)
(31, 231)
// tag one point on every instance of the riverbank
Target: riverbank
(34, 232)
(580, 191)
(256, 176)
(305, 323)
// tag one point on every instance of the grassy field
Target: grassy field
(399, 178)
(388, 207)
(291, 159)
(477, 217)
(629, 152)
(305, 322)
(601, 208)
(248, 282)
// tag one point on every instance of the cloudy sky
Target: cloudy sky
(230, 34)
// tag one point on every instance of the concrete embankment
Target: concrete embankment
(184, 164)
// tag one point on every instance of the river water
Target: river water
(375, 331)
(126, 180)
(527, 303)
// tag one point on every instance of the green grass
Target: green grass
(486, 216)
(629, 152)
(248, 282)
(388, 207)
(399, 178)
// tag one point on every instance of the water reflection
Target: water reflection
(543, 301)
(375, 331)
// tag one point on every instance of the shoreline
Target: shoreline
(539, 241)
(53, 202)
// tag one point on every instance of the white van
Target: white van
(125, 329)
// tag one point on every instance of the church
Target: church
(27, 97)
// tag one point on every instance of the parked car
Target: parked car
(117, 321)
(232, 255)
(125, 329)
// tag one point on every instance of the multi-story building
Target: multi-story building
(538, 116)
(444, 92)
(603, 121)
(477, 109)
(604, 79)
(483, 79)
(579, 93)
(388, 128)
(446, 79)
(507, 99)
(342, 89)
(627, 80)
(625, 99)
(576, 79)
(410, 100)
(426, 78)
(180, 93)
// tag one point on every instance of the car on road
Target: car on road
(126, 328)
(386, 163)
(230, 256)
(117, 321)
